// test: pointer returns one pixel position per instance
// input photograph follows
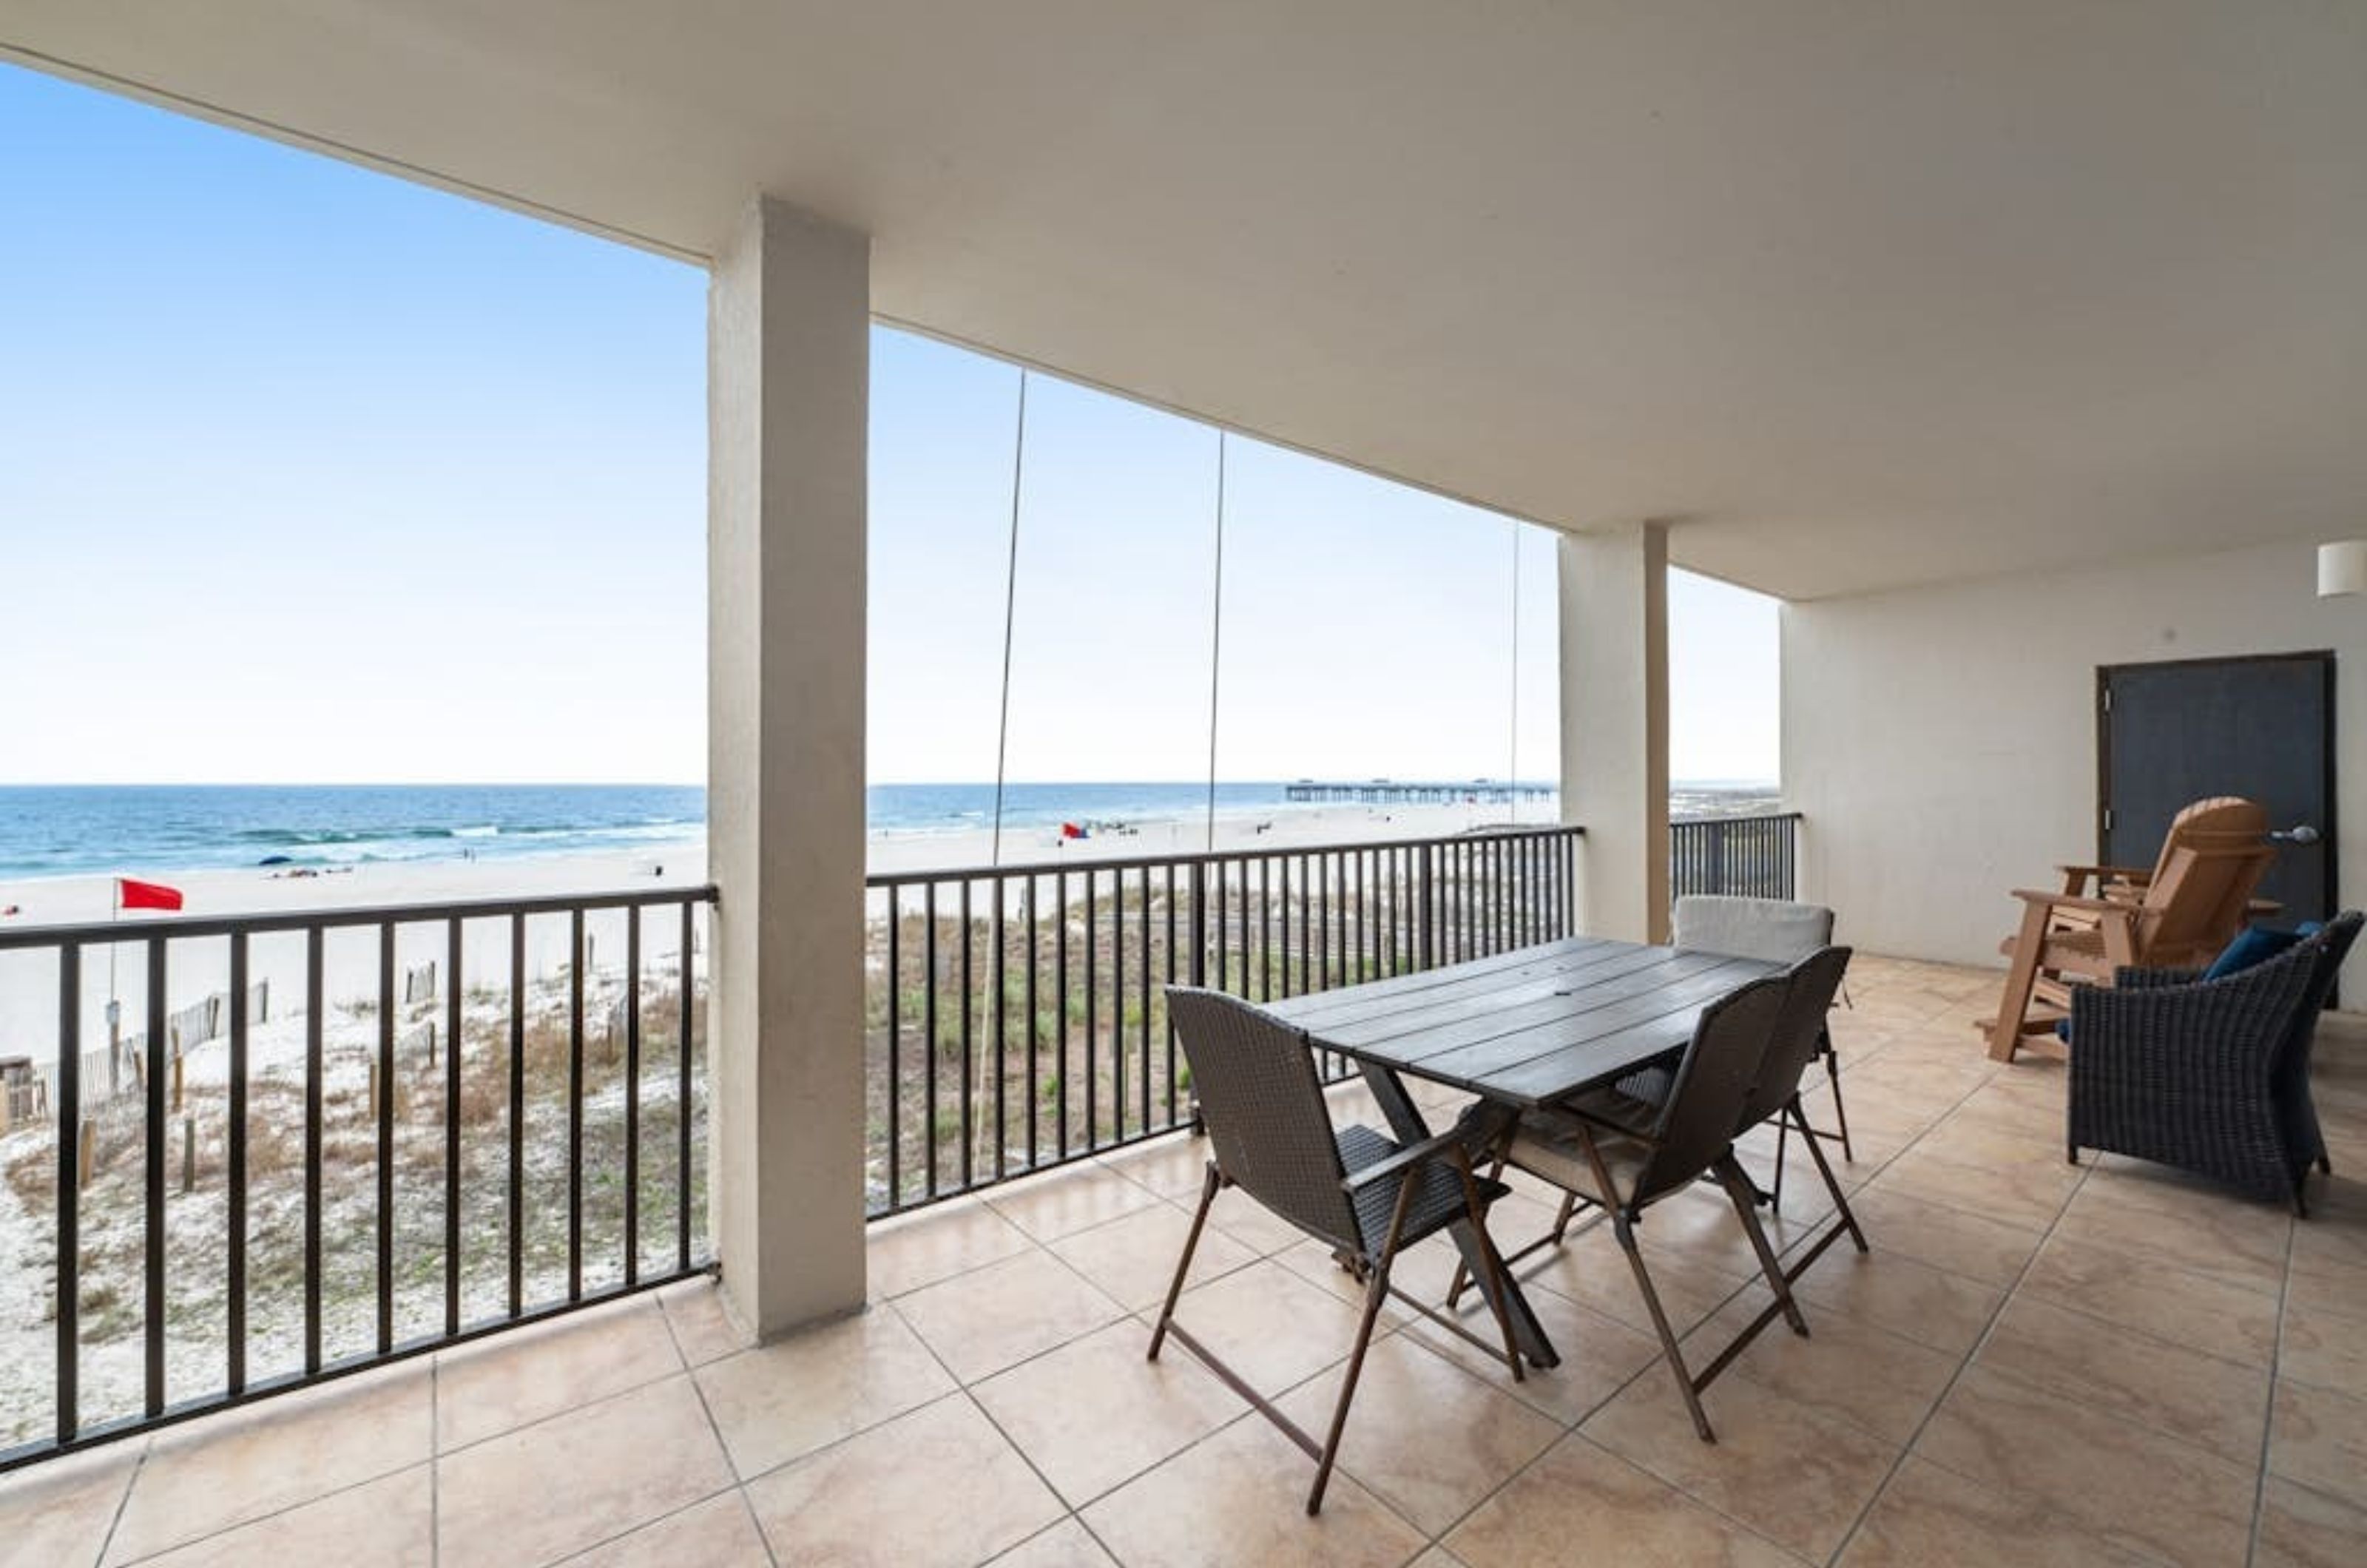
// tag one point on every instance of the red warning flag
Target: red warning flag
(130, 895)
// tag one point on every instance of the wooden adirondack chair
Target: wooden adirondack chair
(2179, 915)
(2127, 885)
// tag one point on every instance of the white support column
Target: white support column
(1614, 726)
(788, 395)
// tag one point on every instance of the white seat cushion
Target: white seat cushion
(1550, 1146)
(1773, 929)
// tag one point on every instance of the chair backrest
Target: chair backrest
(1698, 1120)
(2196, 902)
(2289, 1071)
(1775, 928)
(1269, 1129)
(2214, 814)
(1799, 1028)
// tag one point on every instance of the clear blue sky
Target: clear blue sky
(308, 474)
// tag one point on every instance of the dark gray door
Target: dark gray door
(2263, 728)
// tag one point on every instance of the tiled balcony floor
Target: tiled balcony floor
(2037, 1364)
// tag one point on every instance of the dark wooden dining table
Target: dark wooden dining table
(1519, 1030)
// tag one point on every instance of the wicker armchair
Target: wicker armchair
(2210, 1076)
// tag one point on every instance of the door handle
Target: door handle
(2301, 833)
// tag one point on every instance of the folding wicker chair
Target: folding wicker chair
(1784, 932)
(1594, 1153)
(1357, 1191)
(1800, 1038)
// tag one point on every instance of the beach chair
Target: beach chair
(2127, 885)
(2177, 916)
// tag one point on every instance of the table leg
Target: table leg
(1405, 1124)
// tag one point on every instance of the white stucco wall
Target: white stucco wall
(1942, 741)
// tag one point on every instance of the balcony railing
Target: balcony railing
(1752, 856)
(477, 1114)
(1015, 1019)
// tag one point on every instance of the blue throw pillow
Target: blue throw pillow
(2253, 944)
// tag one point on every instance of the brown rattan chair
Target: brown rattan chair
(1615, 1153)
(1357, 1191)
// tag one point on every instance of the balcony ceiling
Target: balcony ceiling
(1857, 294)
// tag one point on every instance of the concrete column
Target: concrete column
(788, 393)
(1614, 726)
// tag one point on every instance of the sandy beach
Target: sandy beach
(28, 1004)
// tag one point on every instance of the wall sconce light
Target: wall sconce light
(2342, 568)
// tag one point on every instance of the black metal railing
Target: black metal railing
(1756, 857)
(1016, 1017)
(481, 1113)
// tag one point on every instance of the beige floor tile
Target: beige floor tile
(1993, 1144)
(1699, 1225)
(537, 1493)
(1929, 1305)
(1423, 1273)
(937, 1486)
(2243, 1244)
(2214, 1403)
(1272, 1327)
(2326, 1347)
(1097, 1411)
(2130, 1183)
(1870, 1109)
(1240, 1496)
(1248, 1222)
(2335, 1235)
(2030, 1194)
(2317, 1437)
(1583, 1503)
(1171, 1167)
(1591, 1270)
(1882, 1382)
(57, 1514)
(1439, 1557)
(513, 1380)
(2137, 1488)
(2301, 1528)
(267, 1457)
(1065, 1201)
(936, 1244)
(2336, 1287)
(1797, 1478)
(1976, 1246)
(1927, 1515)
(999, 1315)
(701, 1320)
(2199, 1310)
(1066, 1545)
(1598, 1355)
(1425, 1437)
(788, 1398)
(386, 1523)
(2023, 1105)
(717, 1533)
(1132, 1258)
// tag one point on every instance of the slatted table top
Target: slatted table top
(1530, 1026)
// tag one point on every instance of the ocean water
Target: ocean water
(71, 830)
(67, 830)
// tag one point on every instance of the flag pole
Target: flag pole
(114, 1008)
